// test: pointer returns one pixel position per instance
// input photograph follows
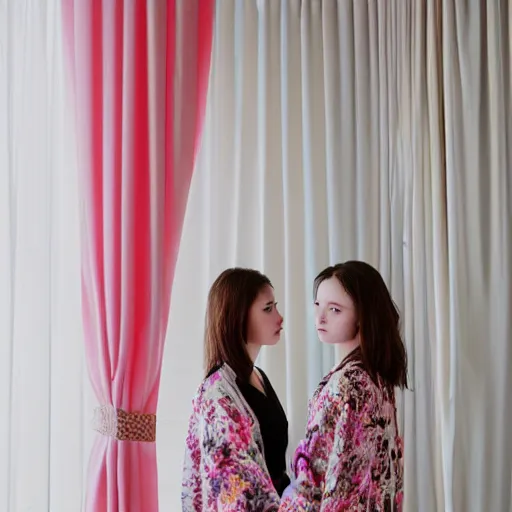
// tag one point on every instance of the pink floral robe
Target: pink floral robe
(225, 468)
(351, 458)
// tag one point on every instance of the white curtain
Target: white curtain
(45, 404)
(378, 130)
(375, 130)
(477, 66)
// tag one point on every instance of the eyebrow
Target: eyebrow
(270, 303)
(335, 304)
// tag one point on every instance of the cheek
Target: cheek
(258, 328)
(348, 327)
(353, 327)
(252, 326)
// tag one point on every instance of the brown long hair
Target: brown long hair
(227, 313)
(382, 349)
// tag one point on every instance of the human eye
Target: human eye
(335, 310)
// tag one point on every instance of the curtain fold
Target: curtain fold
(139, 79)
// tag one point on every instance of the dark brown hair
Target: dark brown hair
(227, 314)
(382, 350)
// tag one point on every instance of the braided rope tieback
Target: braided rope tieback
(125, 426)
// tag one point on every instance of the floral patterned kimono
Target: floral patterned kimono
(224, 468)
(351, 458)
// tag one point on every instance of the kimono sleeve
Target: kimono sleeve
(343, 476)
(326, 475)
(191, 487)
(233, 465)
(311, 459)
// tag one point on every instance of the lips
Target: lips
(321, 330)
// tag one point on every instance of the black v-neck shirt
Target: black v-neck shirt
(273, 426)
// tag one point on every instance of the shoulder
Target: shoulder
(351, 385)
(354, 375)
(215, 397)
(214, 386)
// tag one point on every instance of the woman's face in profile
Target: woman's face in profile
(265, 322)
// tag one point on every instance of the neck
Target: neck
(344, 349)
(253, 351)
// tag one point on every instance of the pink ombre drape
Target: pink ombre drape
(139, 79)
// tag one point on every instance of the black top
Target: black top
(273, 427)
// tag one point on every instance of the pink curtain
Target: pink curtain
(139, 74)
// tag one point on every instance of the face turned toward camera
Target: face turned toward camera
(353, 308)
(335, 313)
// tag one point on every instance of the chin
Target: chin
(325, 338)
(274, 340)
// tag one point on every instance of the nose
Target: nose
(320, 318)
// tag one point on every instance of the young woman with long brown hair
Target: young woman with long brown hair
(238, 431)
(352, 456)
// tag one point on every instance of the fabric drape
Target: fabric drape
(139, 74)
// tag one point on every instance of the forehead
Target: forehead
(331, 290)
(266, 294)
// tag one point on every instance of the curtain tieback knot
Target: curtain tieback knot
(125, 426)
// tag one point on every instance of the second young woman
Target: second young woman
(352, 456)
